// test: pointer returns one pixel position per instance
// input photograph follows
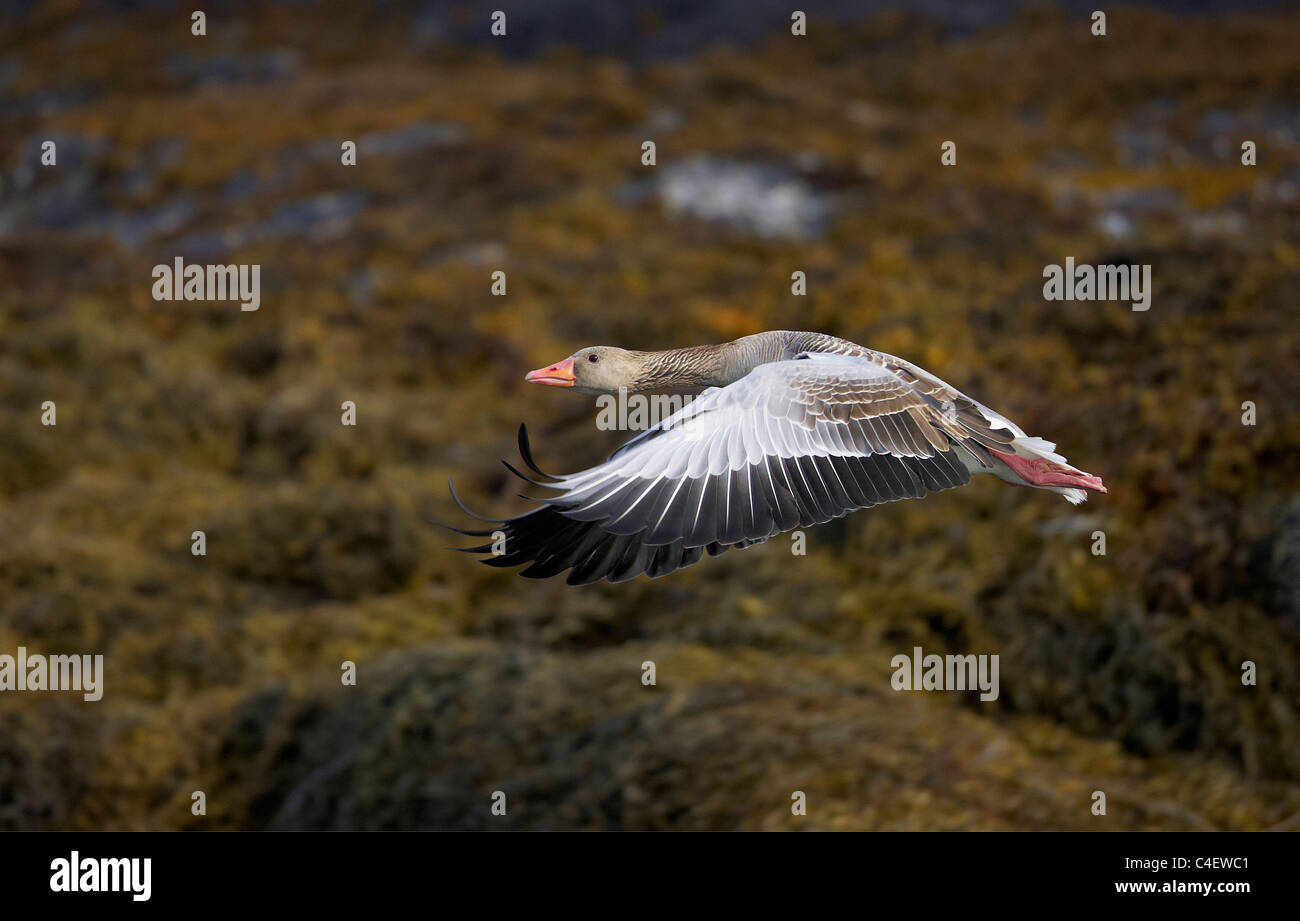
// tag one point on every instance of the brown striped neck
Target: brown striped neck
(693, 369)
(688, 370)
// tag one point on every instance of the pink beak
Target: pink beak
(559, 374)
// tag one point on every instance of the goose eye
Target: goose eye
(591, 357)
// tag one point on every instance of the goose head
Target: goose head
(594, 369)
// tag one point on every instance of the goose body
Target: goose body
(789, 429)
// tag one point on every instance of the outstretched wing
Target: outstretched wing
(792, 444)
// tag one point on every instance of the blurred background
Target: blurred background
(1119, 673)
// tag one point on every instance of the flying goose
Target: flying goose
(789, 429)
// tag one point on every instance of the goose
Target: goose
(786, 430)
